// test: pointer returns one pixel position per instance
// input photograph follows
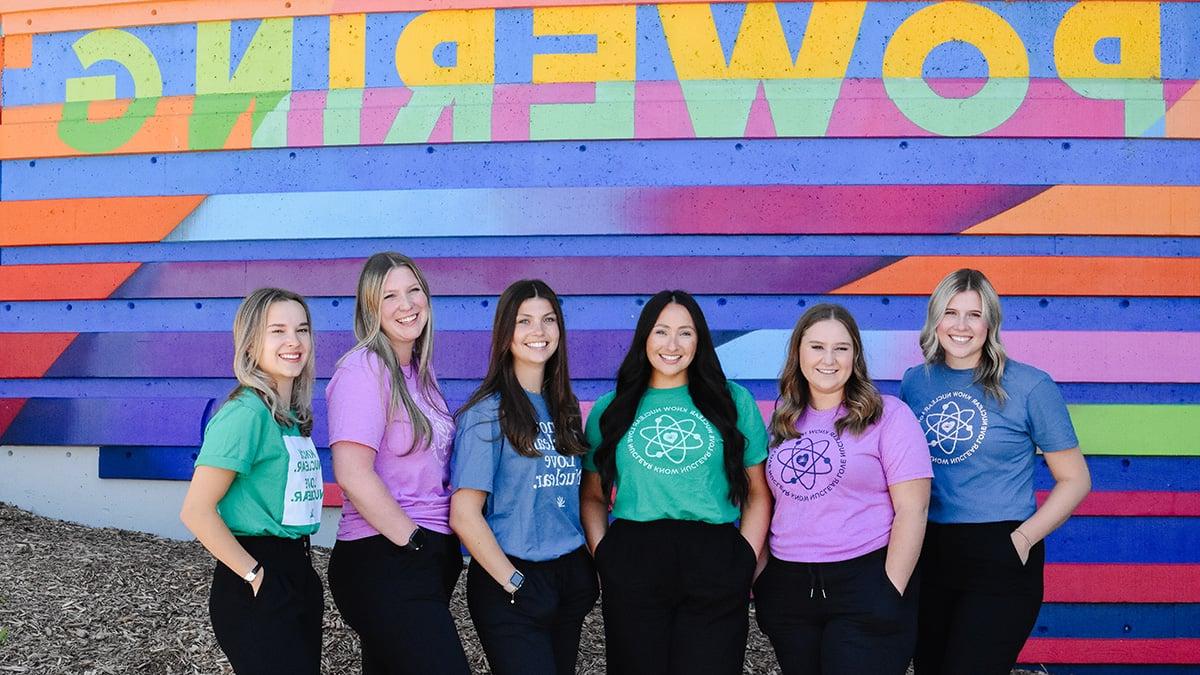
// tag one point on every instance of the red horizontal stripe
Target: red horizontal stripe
(1101, 582)
(1136, 503)
(1097, 651)
(333, 495)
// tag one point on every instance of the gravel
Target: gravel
(86, 601)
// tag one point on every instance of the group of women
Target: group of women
(870, 530)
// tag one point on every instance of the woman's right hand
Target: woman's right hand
(258, 580)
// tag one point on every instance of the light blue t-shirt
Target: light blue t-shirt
(983, 453)
(533, 502)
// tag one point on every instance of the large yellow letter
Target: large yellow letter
(1135, 78)
(615, 57)
(473, 32)
(1007, 60)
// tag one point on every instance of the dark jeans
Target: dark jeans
(978, 602)
(536, 631)
(399, 603)
(676, 597)
(278, 630)
(835, 618)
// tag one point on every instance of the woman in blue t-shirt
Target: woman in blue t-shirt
(516, 473)
(985, 416)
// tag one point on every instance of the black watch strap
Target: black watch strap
(416, 540)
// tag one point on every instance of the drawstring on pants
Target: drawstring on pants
(815, 582)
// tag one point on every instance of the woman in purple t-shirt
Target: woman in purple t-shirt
(396, 562)
(850, 474)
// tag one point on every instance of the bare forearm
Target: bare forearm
(377, 506)
(1059, 505)
(214, 535)
(756, 522)
(593, 511)
(904, 545)
(472, 529)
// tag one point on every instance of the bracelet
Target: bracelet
(1023, 536)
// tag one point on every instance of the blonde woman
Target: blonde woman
(256, 494)
(396, 562)
(985, 416)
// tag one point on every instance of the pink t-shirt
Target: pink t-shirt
(831, 492)
(418, 478)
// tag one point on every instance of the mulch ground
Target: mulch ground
(86, 601)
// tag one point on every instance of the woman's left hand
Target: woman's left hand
(1021, 544)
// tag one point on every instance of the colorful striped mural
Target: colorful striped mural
(159, 160)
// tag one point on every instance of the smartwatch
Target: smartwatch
(416, 540)
(250, 576)
(515, 582)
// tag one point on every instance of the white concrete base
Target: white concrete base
(62, 483)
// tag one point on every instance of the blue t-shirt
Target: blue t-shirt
(983, 453)
(533, 502)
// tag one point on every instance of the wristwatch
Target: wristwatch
(514, 582)
(250, 576)
(416, 540)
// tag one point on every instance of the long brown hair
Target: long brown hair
(518, 420)
(864, 405)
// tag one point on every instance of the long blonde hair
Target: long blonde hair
(249, 331)
(990, 371)
(368, 331)
(864, 405)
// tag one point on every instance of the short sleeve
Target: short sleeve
(906, 384)
(903, 450)
(1049, 421)
(233, 437)
(750, 423)
(357, 401)
(592, 430)
(477, 447)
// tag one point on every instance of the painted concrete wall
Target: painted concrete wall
(159, 160)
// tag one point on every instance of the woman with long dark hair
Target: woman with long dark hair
(257, 491)
(683, 448)
(396, 562)
(516, 493)
(850, 476)
(985, 416)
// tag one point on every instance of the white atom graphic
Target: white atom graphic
(671, 438)
(953, 425)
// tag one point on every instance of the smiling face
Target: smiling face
(827, 361)
(286, 343)
(671, 347)
(403, 310)
(962, 330)
(535, 336)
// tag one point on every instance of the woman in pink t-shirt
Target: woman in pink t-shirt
(850, 473)
(396, 562)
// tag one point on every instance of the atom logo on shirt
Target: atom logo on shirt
(955, 424)
(805, 468)
(666, 438)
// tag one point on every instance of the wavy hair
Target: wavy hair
(864, 405)
(518, 420)
(707, 386)
(989, 372)
(368, 330)
(249, 332)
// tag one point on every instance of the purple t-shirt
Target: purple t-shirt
(418, 478)
(831, 492)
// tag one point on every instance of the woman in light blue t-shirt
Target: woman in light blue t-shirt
(985, 417)
(516, 472)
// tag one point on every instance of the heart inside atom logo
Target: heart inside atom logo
(807, 467)
(671, 438)
(955, 424)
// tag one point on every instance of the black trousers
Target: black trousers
(278, 630)
(535, 632)
(837, 618)
(978, 602)
(676, 597)
(399, 603)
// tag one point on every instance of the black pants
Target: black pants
(676, 597)
(278, 630)
(978, 602)
(838, 617)
(399, 603)
(537, 631)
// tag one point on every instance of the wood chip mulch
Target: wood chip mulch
(76, 600)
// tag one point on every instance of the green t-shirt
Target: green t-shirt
(671, 464)
(278, 489)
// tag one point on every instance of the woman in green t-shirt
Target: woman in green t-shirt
(683, 448)
(257, 492)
